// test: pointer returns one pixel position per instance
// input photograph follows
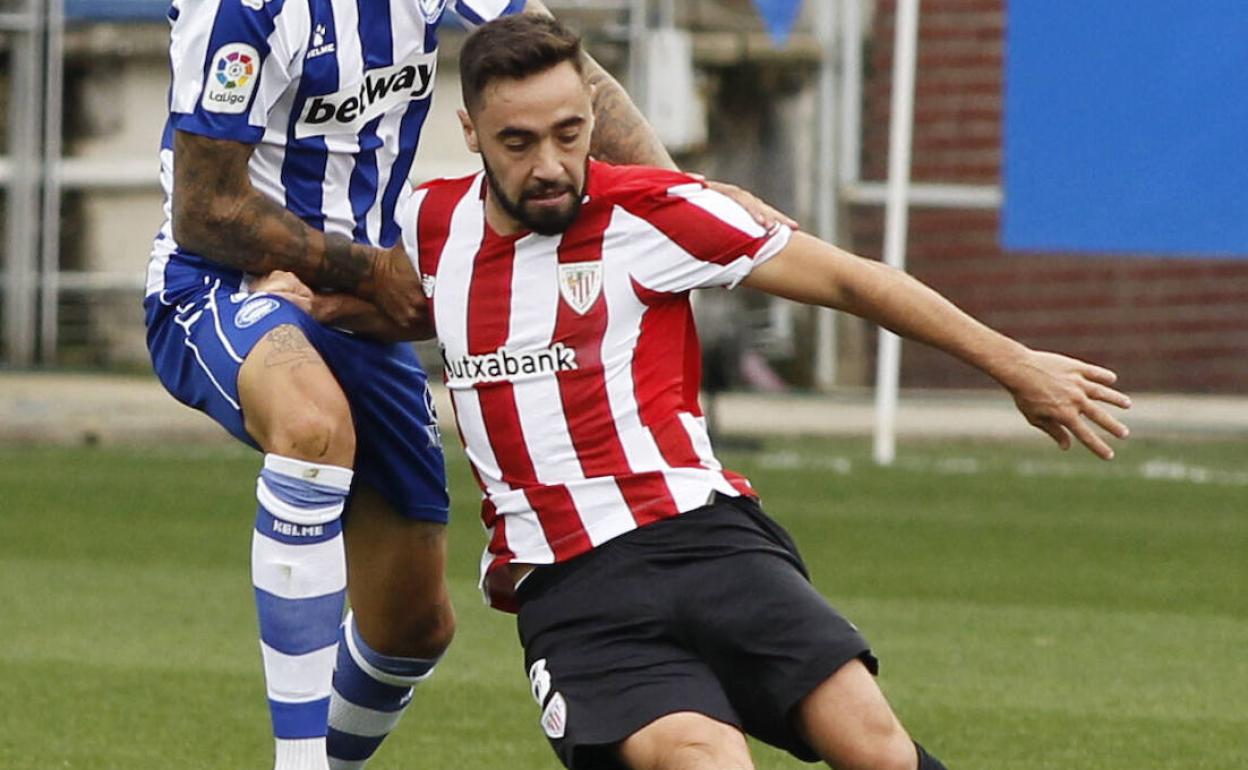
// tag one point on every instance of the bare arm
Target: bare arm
(621, 133)
(344, 311)
(220, 216)
(1054, 392)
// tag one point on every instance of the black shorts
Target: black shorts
(711, 611)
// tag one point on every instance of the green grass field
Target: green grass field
(1032, 609)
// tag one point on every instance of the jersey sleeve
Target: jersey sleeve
(407, 213)
(478, 12)
(229, 67)
(691, 237)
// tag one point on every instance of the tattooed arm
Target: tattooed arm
(344, 310)
(621, 133)
(219, 215)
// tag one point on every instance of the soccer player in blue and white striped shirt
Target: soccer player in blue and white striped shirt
(292, 128)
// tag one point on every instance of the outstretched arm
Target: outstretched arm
(218, 214)
(1055, 393)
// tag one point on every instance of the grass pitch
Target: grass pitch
(1032, 610)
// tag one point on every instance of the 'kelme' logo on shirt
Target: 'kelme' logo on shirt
(383, 89)
(502, 364)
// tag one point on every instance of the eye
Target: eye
(570, 137)
(516, 145)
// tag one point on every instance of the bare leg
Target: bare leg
(847, 721)
(686, 741)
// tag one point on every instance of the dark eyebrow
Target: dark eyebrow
(511, 132)
(572, 122)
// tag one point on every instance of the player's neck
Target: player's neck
(498, 219)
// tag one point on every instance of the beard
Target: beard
(543, 221)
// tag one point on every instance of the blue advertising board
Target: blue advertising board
(1126, 127)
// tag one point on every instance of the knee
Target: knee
(686, 741)
(424, 633)
(883, 745)
(317, 432)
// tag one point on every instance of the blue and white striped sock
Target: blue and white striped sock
(299, 571)
(371, 692)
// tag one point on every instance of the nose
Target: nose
(547, 166)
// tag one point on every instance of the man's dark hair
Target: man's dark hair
(514, 47)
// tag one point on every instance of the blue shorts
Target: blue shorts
(198, 342)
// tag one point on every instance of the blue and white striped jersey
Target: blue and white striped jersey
(333, 93)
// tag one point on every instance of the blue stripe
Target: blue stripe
(300, 492)
(303, 172)
(409, 136)
(299, 626)
(468, 14)
(376, 40)
(352, 748)
(396, 666)
(234, 23)
(292, 721)
(284, 531)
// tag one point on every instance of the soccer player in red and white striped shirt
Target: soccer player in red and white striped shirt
(663, 614)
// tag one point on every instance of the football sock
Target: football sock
(371, 692)
(927, 761)
(299, 571)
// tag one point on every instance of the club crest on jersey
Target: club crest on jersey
(580, 283)
(383, 89)
(231, 79)
(256, 309)
(555, 717)
(432, 10)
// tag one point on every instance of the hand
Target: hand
(287, 286)
(396, 287)
(1060, 395)
(763, 213)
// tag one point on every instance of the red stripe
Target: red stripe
(433, 221)
(583, 391)
(666, 356)
(694, 229)
(489, 322)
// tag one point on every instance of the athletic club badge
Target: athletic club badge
(580, 283)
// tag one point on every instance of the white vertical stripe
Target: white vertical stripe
(336, 187)
(607, 515)
(287, 676)
(407, 214)
(321, 568)
(188, 50)
(454, 274)
(695, 427)
(477, 440)
(662, 266)
(525, 536)
(719, 206)
(534, 310)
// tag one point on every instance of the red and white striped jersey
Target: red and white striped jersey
(572, 360)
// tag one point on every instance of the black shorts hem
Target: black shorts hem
(817, 674)
(600, 752)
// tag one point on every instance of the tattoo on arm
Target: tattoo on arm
(621, 133)
(220, 216)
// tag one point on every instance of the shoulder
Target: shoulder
(631, 185)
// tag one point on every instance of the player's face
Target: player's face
(533, 136)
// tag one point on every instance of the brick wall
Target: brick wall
(1163, 324)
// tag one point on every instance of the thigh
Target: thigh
(399, 447)
(198, 347)
(396, 578)
(601, 662)
(769, 635)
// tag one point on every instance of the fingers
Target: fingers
(1108, 395)
(1098, 373)
(1090, 439)
(1056, 431)
(1106, 420)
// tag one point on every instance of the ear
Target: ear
(470, 131)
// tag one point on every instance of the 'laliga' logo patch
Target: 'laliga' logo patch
(555, 717)
(256, 309)
(231, 79)
(580, 283)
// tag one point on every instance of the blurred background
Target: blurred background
(1018, 152)
(1073, 174)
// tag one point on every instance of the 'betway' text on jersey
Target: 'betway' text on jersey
(332, 95)
(572, 360)
(384, 89)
